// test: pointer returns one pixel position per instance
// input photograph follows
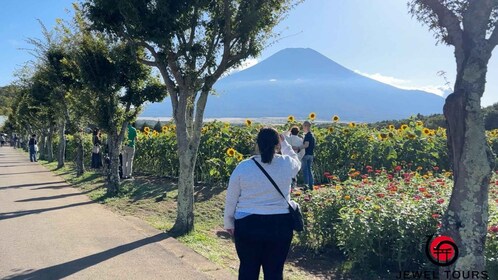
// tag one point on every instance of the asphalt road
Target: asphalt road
(50, 230)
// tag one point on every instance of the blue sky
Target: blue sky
(377, 38)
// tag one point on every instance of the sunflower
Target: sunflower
(390, 134)
(419, 123)
(147, 129)
(248, 122)
(426, 131)
(231, 152)
(226, 125)
(352, 124)
(383, 136)
(391, 127)
(239, 157)
(312, 116)
(411, 136)
(404, 127)
(290, 119)
(335, 118)
(346, 130)
(155, 133)
(331, 129)
(164, 129)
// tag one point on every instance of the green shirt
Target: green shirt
(132, 135)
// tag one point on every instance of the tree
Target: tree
(118, 85)
(471, 28)
(192, 43)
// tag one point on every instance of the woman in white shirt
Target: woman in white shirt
(256, 214)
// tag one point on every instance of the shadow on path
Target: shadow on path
(53, 187)
(32, 185)
(5, 174)
(55, 196)
(11, 215)
(65, 269)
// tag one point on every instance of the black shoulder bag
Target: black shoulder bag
(297, 215)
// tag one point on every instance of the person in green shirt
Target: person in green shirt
(129, 152)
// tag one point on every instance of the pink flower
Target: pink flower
(417, 197)
(493, 229)
(397, 168)
(436, 168)
(440, 201)
(422, 189)
(436, 216)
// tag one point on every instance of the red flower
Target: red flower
(417, 197)
(364, 176)
(436, 216)
(377, 171)
(436, 168)
(428, 195)
(368, 167)
(390, 177)
(422, 189)
(440, 201)
(493, 229)
(439, 225)
(381, 195)
(397, 168)
(326, 174)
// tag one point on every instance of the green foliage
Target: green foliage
(7, 96)
(380, 219)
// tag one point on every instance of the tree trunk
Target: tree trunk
(62, 144)
(50, 143)
(113, 179)
(80, 155)
(43, 144)
(185, 202)
(467, 215)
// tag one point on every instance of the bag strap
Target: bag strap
(271, 180)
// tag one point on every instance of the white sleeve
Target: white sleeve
(287, 150)
(232, 197)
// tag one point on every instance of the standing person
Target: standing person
(129, 152)
(256, 214)
(33, 144)
(295, 141)
(2, 140)
(307, 161)
(96, 150)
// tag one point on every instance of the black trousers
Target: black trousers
(263, 240)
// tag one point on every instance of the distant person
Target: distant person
(307, 161)
(295, 141)
(33, 148)
(129, 152)
(14, 141)
(2, 140)
(96, 150)
(256, 214)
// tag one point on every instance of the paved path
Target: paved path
(50, 230)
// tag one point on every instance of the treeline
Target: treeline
(490, 115)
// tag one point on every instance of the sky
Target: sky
(376, 38)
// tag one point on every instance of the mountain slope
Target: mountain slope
(299, 81)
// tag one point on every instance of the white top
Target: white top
(250, 191)
(296, 141)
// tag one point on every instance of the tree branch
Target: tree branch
(448, 20)
(147, 62)
(476, 18)
(493, 39)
